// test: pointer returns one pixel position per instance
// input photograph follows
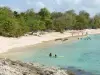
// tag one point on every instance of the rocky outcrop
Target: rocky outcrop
(9, 67)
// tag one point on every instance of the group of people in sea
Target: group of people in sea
(50, 55)
(87, 38)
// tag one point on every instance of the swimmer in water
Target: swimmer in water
(50, 55)
(55, 56)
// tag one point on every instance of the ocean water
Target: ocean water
(81, 54)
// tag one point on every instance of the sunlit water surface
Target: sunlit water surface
(82, 54)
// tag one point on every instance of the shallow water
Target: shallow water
(82, 54)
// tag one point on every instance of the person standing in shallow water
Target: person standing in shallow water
(50, 55)
(55, 56)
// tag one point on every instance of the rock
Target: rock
(58, 39)
(9, 67)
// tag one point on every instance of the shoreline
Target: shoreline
(45, 44)
(25, 41)
(12, 53)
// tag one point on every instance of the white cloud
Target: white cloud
(1, 5)
(59, 2)
(77, 1)
(97, 2)
(16, 9)
(29, 2)
(40, 5)
(92, 6)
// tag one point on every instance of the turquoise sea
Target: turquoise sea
(82, 54)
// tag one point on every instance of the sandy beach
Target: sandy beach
(9, 43)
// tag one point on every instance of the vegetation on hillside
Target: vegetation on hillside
(14, 24)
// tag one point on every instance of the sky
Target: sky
(91, 6)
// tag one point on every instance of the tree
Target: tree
(44, 13)
(48, 24)
(83, 20)
(16, 14)
(60, 24)
(46, 17)
(96, 21)
(55, 15)
(70, 19)
(7, 12)
(16, 24)
(30, 12)
(37, 25)
(42, 26)
(8, 27)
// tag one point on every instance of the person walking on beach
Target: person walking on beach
(50, 55)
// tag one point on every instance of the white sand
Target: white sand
(9, 43)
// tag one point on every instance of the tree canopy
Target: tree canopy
(15, 24)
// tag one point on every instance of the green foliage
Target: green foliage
(70, 19)
(96, 21)
(60, 24)
(55, 15)
(5, 11)
(8, 27)
(14, 24)
(48, 24)
(44, 13)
